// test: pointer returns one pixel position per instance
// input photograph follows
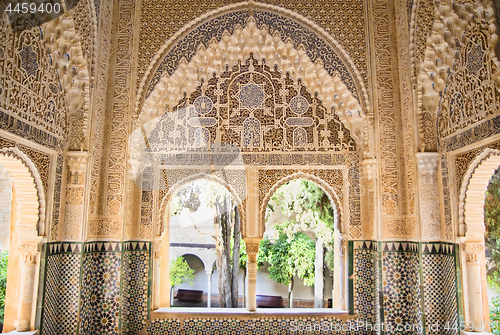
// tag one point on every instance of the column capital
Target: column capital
(473, 251)
(368, 168)
(343, 245)
(76, 165)
(29, 251)
(252, 247)
(157, 249)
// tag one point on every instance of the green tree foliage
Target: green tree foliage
(288, 257)
(492, 241)
(492, 217)
(180, 272)
(495, 315)
(308, 207)
(4, 257)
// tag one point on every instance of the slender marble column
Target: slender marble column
(29, 252)
(473, 266)
(157, 274)
(252, 245)
(209, 294)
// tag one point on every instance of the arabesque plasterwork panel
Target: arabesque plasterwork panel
(343, 20)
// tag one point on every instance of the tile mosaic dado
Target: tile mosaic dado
(115, 291)
(401, 287)
(135, 286)
(60, 313)
(365, 280)
(440, 288)
(260, 326)
(100, 291)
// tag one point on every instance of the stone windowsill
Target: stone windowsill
(183, 313)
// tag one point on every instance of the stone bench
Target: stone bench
(193, 296)
(268, 301)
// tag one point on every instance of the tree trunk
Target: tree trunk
(236, 258)
(319, 280)
(223, 250)
(290, 297)
(244, 289)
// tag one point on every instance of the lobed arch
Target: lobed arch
(433, 75)
(337, 207)
(472, 194)
(165, 201)
(27, 228)
(175, 72)
(200, 258)
(30, 194)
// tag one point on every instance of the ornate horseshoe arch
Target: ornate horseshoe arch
(29, 184)
(224, 37)
(165, 201)
(474, 184)
(318, 181)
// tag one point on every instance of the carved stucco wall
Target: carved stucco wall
(455, 78)
(114, 102)
(30, 92)
(344, 20)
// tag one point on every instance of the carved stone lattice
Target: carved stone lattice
(393, 190)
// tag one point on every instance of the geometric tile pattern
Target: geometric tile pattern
(365, 270)
(136, 263)
(101, 274)
(401, 285)
(258, 326)
(162, 326)
(116, 280)
(440, 288)
(60, 314)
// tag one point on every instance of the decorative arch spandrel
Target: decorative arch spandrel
(203, 48)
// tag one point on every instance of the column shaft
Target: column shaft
(29, 252)
(209, 294)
